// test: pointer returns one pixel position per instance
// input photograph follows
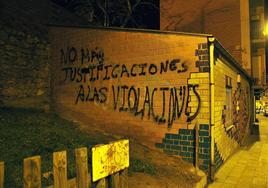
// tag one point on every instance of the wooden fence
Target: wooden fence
(32, 173)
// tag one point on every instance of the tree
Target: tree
(119, 13)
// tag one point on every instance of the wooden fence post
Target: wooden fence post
(32, 172)
(102, 183)
(60, 169)
(2, 174)
(114, 181)
(82, 176)
(124, 178)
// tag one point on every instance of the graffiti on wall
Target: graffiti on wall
(86, 66)
(240, 111)
(241, 114)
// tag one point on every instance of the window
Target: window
(256, 29)
(228, 101)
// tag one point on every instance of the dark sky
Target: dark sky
(146, 16)
(151, 16)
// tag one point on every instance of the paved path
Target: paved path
(248, 167)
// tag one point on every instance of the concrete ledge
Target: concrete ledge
(203, 181)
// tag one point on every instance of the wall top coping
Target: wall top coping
(52, 25)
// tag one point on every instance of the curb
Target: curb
(203, 182)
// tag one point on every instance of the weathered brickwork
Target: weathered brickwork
(204, 142)
(24, 50)
(184, 144)
(24, 69)
(218, 159)
(202, 79)
(229, 133)
(144, 84)
(154, 87)
(203, 57)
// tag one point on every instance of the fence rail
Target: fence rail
(32, 173)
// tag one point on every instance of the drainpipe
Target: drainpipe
(252, 109)
(212, 106)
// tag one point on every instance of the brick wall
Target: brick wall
(204, 148)
(184, 144)
(202, 79)
(181, 144)
(160, 109)
(98, 105)
(229, 136)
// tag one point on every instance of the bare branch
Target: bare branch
(130, 13)
(100, 7)
(149, 4)
(129, 5)
(104, 10)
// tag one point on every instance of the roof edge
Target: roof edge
(129, 29)
(231, 60)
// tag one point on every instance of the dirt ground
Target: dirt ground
(170, 171)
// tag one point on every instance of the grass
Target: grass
(141, 166)
(25, 133)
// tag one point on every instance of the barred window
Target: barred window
(228, 101)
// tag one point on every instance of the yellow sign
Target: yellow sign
(110, 158)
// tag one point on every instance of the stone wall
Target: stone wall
(24, 67)
(24, 51)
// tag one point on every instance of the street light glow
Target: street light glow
(265, 32)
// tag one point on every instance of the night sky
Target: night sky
(146, 15)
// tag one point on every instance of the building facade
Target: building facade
(180, 93)
(238, 25)
(227, 20)
(259, 66)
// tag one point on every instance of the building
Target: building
(180, 93)
(259, 66)
(238, 25)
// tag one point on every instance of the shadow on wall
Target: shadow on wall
(256, 130)
(254, 137)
